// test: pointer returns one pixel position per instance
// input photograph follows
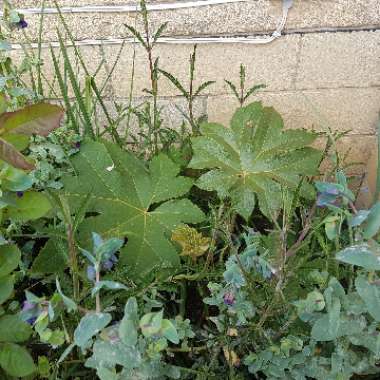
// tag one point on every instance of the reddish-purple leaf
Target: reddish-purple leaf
(39, 119)
(11, 155)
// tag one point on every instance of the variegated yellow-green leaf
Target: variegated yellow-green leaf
(255, 158)
(193, 243)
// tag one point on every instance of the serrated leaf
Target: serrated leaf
(255, 154)
(360, 255)
(175, 82)
(89, 326)
(193, 243)
(131, 201)
(16, 360)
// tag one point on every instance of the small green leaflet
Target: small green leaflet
(254, 158)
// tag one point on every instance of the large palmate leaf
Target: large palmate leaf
(131, 201)
(253, 158)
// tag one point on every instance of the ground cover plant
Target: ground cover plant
(133, 251)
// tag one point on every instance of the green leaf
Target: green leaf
(52, 258)
(39, 119)
(129, 324)
(150, 323)
(373, 222)
(243, 201)
(10, 257)
(6, 287)
(360, 255)
(326, 328)
(11, 155)
(69, 303)
(16, 360)
(112, 285)
(370, 294)
(13, 329)
(15, 180)
(32, 205)
(131, 201)
(254, 156)
(169, 331)
(20, 142)
(89, 326)
(111, 354)
(106, 374)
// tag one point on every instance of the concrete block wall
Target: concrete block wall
(324, 71)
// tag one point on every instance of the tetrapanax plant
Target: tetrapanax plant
(242, 94)
(131, 201)
(254, 159)
(192, 93)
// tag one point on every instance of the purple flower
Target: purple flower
(108, 264)
(22, 24)
(229, 299)
(27, 306)
(30, 312)
(91, 273)
(77, 145)
(31, 320)
(20, 194)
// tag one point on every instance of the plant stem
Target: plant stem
(97, 297)
(182, 305)
(293, 249)
(73, 260)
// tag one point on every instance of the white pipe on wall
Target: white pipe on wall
(127, 8)
(286, 5)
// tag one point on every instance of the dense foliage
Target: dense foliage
(132, 251)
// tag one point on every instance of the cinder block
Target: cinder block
(274, 65)
(354, 110)
(264, 64)
(172, 110)
(333, 60)
(234, 18)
